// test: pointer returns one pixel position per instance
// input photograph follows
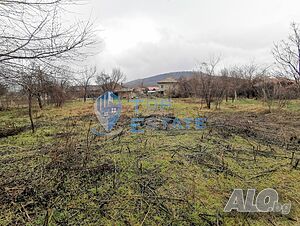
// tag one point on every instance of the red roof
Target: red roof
(152, 88)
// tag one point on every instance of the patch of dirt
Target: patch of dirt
(7, 132)
(276, 128)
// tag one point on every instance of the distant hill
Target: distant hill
(152, 81)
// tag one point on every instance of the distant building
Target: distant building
(152, 90)
(167, 86)
(126, 93)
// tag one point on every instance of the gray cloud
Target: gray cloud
(149, 37)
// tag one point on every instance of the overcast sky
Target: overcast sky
(145, 38)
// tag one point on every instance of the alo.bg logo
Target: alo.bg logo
(266, 201)
(108, 110)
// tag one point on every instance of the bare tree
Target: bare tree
(3, 89)
(37, 82)
(34, 31)
(110, 82)
(87, 75)
(40, 80)
(268, 89)
(28, 84)
(205, 76)
(227, 83)
(221, 88)
(249, 74)
(184, 88)
(235, 74)
(276, 88)
(287, 54)
(57, 92)
(246, 77)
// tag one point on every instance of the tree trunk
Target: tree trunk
(265, 95)
(208, 104)
(235, 95)
(85, 94)
(30, 111)
(39, 98)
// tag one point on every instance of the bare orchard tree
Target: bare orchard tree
(221, 88)
(3, 91)
(38, 83)
(235, 74)
(33, 29)
(87, 75)
(110, 82)
(40, 80)
(287, 54)
(250, 75)
(240, 80)
(274, 89)
(56, 91)
(29, 87)
(184, 89)
(226, 83)
(205, 76)
(268, 89)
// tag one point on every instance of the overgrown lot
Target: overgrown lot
(64, 175)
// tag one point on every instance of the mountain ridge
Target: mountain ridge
(152, 80)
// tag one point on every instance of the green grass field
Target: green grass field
(64, 175)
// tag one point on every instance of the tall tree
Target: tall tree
(110, 82)
(34, 31)
(287, 54)
(87, 75)
(205, 76)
